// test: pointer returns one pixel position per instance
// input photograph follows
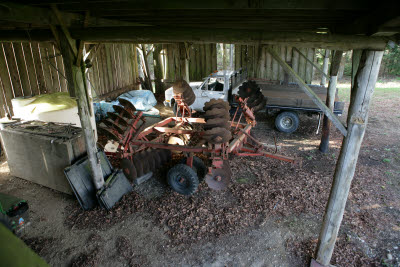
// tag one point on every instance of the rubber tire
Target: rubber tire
(183, 170)
(198, 166)
(281, 116)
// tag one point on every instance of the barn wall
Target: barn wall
(202, 59)
(34, 68)
(260, 64)
(114, 69)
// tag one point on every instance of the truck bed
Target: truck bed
(292, 96)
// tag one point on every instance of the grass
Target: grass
(386, 160)
(382, 89)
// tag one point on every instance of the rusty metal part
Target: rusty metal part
(129, 169)
(217, 122)
(113, 125)
(150, 160)
(216, 113)
(218, 179)
(127, 104)
(157, 158)
(180, 86)
(109, 133)
(138, 165)
(217, 135)
(117, 119)
(123, 112)
(216, 103)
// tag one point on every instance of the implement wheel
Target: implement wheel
(198, 166)
(183, 179)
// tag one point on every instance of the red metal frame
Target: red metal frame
(137, 139)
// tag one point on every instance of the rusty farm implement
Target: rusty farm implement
(216, 135)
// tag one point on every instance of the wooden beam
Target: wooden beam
(325, 66)
(43, 16)
(77, 82)
(64, 28)
(202, 35)
(362, 91)
(330, 100)
(312, 63)
(309, 92)
(206, 4)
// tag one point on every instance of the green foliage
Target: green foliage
(391, 60)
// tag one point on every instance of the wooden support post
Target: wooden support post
(325, 66)
(77, 83)
(356, 56)
(184, 63)
(158, 71)
(147, 68)
(330, 100)
(308, 91)
(362, 90)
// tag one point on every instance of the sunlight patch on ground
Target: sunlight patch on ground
(4, 167)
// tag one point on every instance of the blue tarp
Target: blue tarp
(143, 100)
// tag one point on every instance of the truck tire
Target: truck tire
(287, 121)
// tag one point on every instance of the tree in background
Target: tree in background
(391, 61)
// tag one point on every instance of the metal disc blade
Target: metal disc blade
(115, 117)
(111, 124)
(129, 169)
(218, 180)
(127, 104)
(122, 112)
(108, 133)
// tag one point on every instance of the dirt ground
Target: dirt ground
(270, 215)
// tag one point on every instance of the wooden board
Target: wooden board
(292, 95)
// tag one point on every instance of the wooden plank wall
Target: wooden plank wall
(113, 70)
(202, 61)
(34, 68)
(260, 64)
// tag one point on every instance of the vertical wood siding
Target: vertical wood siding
(34, 68)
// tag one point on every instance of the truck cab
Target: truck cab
(218, 85)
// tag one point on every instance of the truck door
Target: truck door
(213, 88)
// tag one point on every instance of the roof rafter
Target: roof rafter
(44, 16)
(203, 35)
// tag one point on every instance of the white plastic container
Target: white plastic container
(57, 107)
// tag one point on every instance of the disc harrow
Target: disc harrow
(216, 135)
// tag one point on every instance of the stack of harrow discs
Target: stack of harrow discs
(119, 121)
(217, 126)
(144, 162)
(182, 87)
(255, 98)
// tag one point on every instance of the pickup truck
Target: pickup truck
(284, 101)
(219, 85)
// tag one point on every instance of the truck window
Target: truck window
(214, 84)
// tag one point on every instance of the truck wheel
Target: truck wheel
(183, 179)
(287, 122)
